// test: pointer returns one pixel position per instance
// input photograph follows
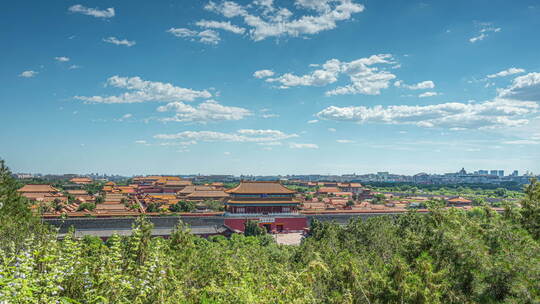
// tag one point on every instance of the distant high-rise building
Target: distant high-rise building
(501, 173)
(515, 173)
(493, 172)
(483, 172)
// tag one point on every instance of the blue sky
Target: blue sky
(270, 87)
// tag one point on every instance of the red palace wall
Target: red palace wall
(289, 224)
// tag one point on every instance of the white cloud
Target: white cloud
(117, 41)
(526, 87)
(124, 117)
(227, 26)
(263, 74)
(264, 20)
(522, 142)
(270, 143)
(107, 13)
(478, 38)
(205, 112)
(428, 84)
(28, 74)
(141, 142)
(244, 135)
(489, 114)
(485, 29)
(61, 59)
(227, 153)
(142, 91)
(363, 76)
(428, 94)
(74, 67)
(303, 146)
(313, 121)
(206, 36)
(507, 72)
(345, 141)
(332, 129)
(269, 115)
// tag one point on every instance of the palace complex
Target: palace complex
(269, 203)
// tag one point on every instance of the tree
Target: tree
(478, 201)
(530, 209)
(152, 207)
(57, 204)
(378, 198)
(252, 228)
(500, 192)
(99, 199)
(214, 205)
(16, 220)
(86, 206)
(183, 206)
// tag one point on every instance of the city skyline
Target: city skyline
(487, 172)
(270, 87)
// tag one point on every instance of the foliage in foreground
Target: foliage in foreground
(443, 257)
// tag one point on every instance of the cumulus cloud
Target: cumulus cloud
(263, 74)
(428, 84)
(205, 112)
(140, 90)
(94, 12)
(363, 76)
(489, 114)
(507, 72)
(227, 26)
(28, 74)
(484, 31)
(206, 36)
(303, 146)
(313, 121)
(114, 40)
(345, 141)
(61, 59)
(428, 94)
(243, 135)
(526, 87)
(264, 20)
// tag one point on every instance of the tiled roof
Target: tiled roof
(208, 193)
(177, 183)
(329, 190)
(459, 200)
(38, 188)
(190, 189)
(81, 180)
(77, 192)
(261, 202)
(266, 187)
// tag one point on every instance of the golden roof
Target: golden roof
(260, 187)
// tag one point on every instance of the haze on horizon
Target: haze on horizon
(270, 87)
